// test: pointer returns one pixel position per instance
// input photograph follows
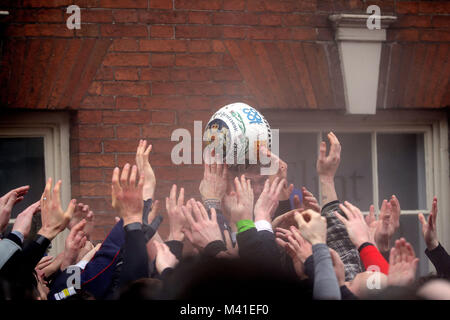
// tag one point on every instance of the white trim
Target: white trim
(54, 128)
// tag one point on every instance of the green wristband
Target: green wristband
(244, 225)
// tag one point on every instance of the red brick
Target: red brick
(163, 102)
(127, 103)
(163, 117)
(90, 146)
(236, 5)
(88, 30)
(135, 4)
(122, 159)
(89, 116)
(126, 74)
(161, 32)
(155, 74)
(228, 75)
(47, 4)
(167, 173)
(200, 46)
(313, 20)
(198, 32)
(97, 102)
(99, 233)
(97, 160)
(104, 73)
(408, 21)
(162, 60)
(441, 21)
(403, 35)
(128, 132)
(125, 16)
(407, 7)
(435, 35)
(163, 45)
(91, 174)
(157, 17)
(96, 132)
(92, 189)
(99, 16)
(235, 18)
(198, 4)
(165, 88)
(128, 117)
(126, 88)
(179, 74)
(235, 32)
(116, 30)
(218, 46)
(271, 19)
(39, 30)
(235, 89)
(119, 146)
(198, 17)
(283, 6)
(198, 60)
(96, 88)
(199, 88)
(105, 219)
(161, 4)
(155, 131)
(188, 117)
(199, 103)
(201, 74)
(125, 45)
(98, 204)
(39, 15)
(434, 7)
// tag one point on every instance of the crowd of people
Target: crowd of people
(247, 238)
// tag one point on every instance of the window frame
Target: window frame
(434, 124)
(54, 128)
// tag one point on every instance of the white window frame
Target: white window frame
(54, 128)
(433, 124)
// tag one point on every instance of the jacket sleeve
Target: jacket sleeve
(326, 286)
(370, 256)
(7, 250)
(135, 258)
(440, 259)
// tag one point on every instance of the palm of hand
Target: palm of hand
(213, 187)
(128, 202)
(401, 274)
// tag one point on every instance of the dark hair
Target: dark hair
(142, 289)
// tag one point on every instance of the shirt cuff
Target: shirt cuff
(19, 235)
(244, 225)
(82, 264)
(261, 225)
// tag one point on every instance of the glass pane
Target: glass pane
(410, 229)
(401, 169)
(299, 151)
(354, 177)
(22, 163)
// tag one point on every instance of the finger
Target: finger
(181, 198)
(203, 212)
(69, 212)
(274, 185)
(115, 180)
(124, 175)
(188, 215)
(133, 176)
(322, 151)
(79, 226)
(383, 209)
(300, 220)
(116, 219)
(173, 195)
(213, 215)
(225, 170)
(422, 219)
(297, 203)
(244, 184)
(346, 211)
(281, 242)
(281, 185)
(188, 235)
(147, 151)
(237, 184)
(371, 216)
(154, 211)
(341, 218)
(56, 198)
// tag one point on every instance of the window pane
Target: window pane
(354, 177)
(401, 169)
(299, 151)
(22, 163)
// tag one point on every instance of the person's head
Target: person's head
(437, 289)
(142, 289)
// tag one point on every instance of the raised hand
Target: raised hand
(214, 183)
(239, 203)
(25, 218)
(164, 257)
(296, 247)
(54, 219)
(127, 194)
(357, 228)
(75, 241)
(286, 220)
(176, 218)
(267, 202)
(387, 224)
(281, 174)
(91, 253)
(7, 202)
(429, 231)
(82, 211)
(312, 226)
(202, 229)
(402, 264)
(144, 167)
(327, 166)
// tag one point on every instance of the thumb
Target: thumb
(188, 235)
(70, 209)
(422, 219)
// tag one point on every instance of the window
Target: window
(402, 153)
(33, 147)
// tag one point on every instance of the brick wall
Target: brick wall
(141, 68)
